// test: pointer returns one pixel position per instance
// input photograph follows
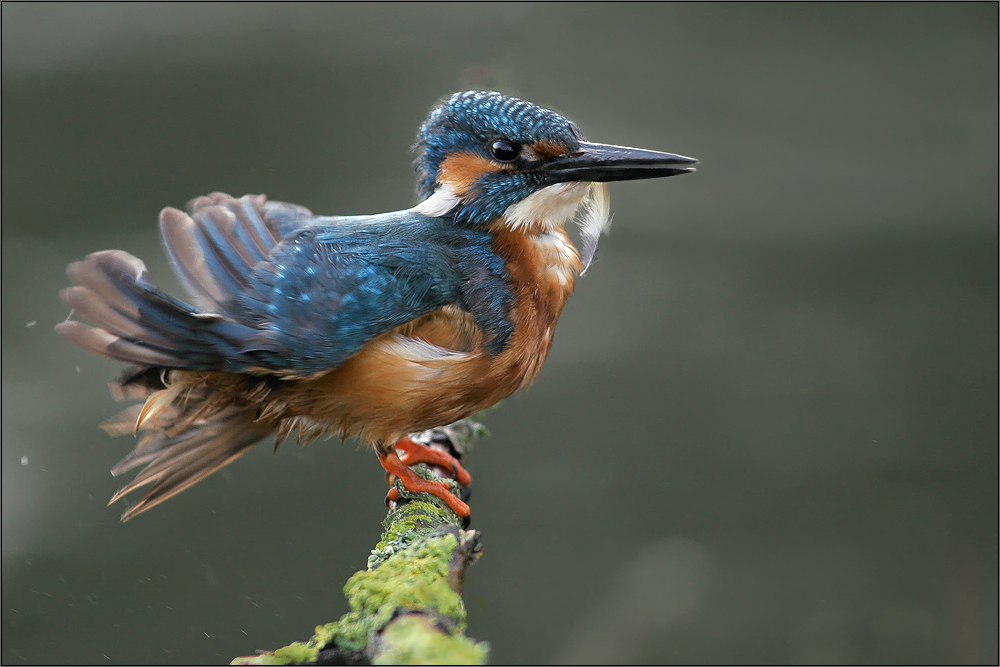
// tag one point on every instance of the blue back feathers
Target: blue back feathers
(334, 285)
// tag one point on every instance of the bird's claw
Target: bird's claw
(398, 465)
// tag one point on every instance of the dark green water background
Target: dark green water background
(767, 431)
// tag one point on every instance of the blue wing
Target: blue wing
(281, 289)
(331, 287)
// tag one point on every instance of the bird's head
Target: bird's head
(484, 157)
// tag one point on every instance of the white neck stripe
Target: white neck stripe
(440, 203)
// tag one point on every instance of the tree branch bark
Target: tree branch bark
(406, 608)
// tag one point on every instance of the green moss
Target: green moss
(411, 640)
(408, 571)
(297, 653)
(408, 524)
(416, 579)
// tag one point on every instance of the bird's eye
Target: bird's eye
(504, 151)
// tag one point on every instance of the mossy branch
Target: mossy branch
(406, 608)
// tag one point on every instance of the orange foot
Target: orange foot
(414, 453)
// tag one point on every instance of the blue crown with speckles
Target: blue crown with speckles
(470, 121)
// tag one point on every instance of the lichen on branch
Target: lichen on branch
(406, 608)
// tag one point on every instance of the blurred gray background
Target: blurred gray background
(767, 431)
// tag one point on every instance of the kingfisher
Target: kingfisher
(372, 326)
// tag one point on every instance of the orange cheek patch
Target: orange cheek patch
(461, 170)
(548, 149)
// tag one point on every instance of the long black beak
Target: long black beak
(604, 162)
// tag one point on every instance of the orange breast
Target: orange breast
(434, 370)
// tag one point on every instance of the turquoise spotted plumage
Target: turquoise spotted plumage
(375, 326)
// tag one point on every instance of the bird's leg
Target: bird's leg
(414, 453)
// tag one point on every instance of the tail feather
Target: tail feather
(214, 251)
(176, 462)
(106, 274)
(109, 345)
(137, 323)
(97, 308)
(190, 427)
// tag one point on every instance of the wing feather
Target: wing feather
(278, 288)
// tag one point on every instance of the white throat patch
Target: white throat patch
(596, 220)
(550, 207)
(555, 205)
